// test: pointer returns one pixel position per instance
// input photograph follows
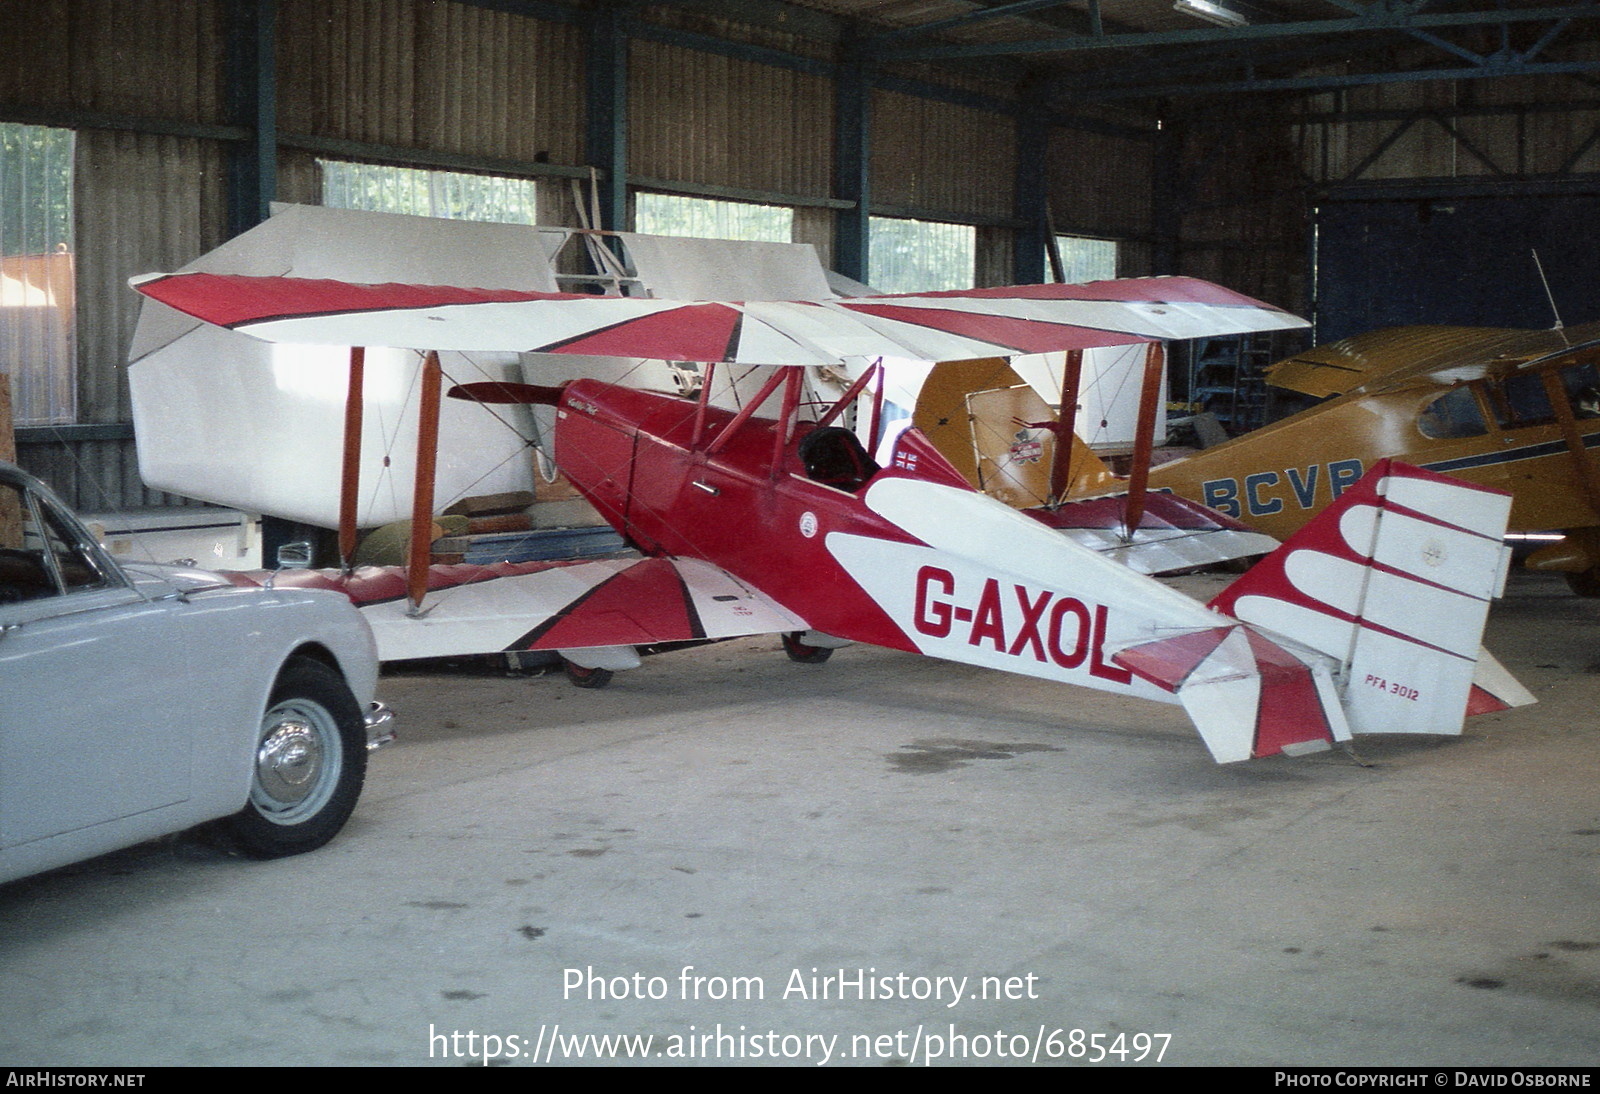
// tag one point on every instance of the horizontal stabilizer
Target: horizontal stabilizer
(1246, 695)
(1493, 688)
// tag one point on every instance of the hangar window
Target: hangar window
(1086, 259)
(382, 188)
(1453, 414)
(704, 218)
(920, 255)
(37, 289)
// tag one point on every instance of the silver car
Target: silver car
(140, 700)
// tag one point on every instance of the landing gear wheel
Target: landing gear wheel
(1585, 582)
(799, 652)
(310, 761)
(586, 678)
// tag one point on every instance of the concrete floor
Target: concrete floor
(724, 809)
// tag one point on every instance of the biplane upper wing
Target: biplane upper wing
(569, 607)
(937, 326)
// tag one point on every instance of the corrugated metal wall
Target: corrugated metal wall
(145, 203)
(1249, 191)
(1245, 213)
(146, 85)
(938, 157)
(153, 60)
(1101, 185)
(437, 76)
(1467, 130)
(723, 121)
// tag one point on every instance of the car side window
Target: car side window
(41, 554)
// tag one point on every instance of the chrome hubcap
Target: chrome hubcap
(288, 761)
(297, 761)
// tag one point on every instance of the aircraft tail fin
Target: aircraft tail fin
(1392, 582)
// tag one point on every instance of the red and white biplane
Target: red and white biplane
(1369, 621)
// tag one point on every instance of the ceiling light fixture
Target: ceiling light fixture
(1212, 12)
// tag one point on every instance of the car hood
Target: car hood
(157, 578)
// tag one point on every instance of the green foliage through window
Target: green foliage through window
(920, 255)
(35, 189)
(381, 188)
(704, 218)
(1085, 259)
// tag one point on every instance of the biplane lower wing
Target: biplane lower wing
(1173, 533)
(605, 604)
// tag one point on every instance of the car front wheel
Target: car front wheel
(309, 763)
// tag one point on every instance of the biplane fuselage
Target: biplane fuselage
(748, 508)
(1000, 591)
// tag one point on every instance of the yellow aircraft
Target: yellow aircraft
(1514, 409)
(1517, 410)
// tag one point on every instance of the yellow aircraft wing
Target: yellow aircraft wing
(1385, 360)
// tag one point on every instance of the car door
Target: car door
(92, 722)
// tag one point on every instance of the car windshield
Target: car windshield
(41, 553)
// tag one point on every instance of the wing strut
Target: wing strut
(350, 472)
(1066, 425)
(746, 411)
(1143, 439)
(791, 405)
(1583, 465)
(849, 396)
(707, 378)
(422, 497)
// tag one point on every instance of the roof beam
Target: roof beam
(971, 18)
(1375, 18)
(1359, 8)
(1491, 68)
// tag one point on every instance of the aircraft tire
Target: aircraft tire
(803, 654)
(586, 678)
(1585, 582)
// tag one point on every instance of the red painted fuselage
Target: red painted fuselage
(747, 508)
